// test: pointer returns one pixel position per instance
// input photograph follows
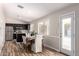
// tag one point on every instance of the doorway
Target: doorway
(67, 34)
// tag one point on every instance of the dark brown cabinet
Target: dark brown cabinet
(13, 28)
(19, 26)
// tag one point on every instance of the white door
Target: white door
(67, 34)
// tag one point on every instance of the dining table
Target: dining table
(29, 42)
(34, 43)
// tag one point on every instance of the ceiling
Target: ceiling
(31, 11)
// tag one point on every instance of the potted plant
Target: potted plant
(33, 33)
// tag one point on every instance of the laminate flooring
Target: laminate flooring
(12, 49)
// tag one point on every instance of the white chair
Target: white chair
(37, 46)
(24, 39)
(26, 43)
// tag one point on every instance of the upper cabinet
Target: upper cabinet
(19, 26)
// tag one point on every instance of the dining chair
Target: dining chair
(19, 40)
(24, 42)
(27, 43)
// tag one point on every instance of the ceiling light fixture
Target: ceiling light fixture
(20, 6)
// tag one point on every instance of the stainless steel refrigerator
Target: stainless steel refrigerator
(8, 33)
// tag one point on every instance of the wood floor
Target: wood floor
(11, 49)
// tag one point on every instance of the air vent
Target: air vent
(20, 6)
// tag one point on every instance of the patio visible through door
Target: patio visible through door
(67, 34)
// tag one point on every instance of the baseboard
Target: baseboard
(51, 47)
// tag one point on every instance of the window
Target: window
(43, 27)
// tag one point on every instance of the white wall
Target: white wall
(2, 27)
(53, 41)
(77, 33)
(14, 21)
